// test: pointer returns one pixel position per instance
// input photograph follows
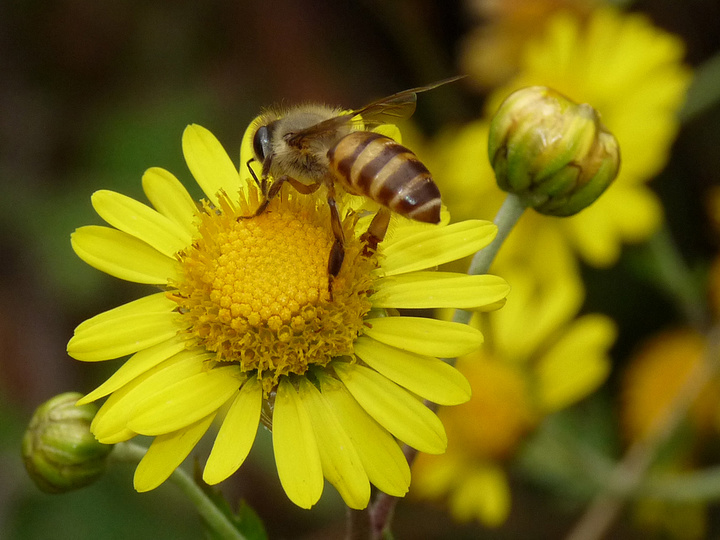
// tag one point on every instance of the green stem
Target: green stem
(506, 218)
(627, 479)
(628, 476)
(508, 215)
(704, 92)
(675, 277)
(129, 452)
(695, 487)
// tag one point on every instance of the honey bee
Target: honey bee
(313, 145)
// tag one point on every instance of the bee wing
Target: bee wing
(397, 106)
(383, 111)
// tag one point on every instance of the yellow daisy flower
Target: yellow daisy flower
(650, 384)
(654, 377)
(491, 51)
(245, 324)
(627, 69)
(539, 357)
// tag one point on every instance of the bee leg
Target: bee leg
(277, 185)
(376, 231)
(337, 252)
(269, 193)
(305, 189)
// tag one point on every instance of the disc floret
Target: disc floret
(255, 289)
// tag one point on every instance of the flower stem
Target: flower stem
(512, 208)
(693, 487)
(704, 92)
(358, 524)
(383, 508)
(675, 277)
(129, 452)
(508, 215)
(628, 475)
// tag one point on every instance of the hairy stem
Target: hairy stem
(129, 452)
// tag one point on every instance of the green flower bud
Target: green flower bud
(60, 452)
(553, 153)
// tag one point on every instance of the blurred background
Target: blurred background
(94, 93)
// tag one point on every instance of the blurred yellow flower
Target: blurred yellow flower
(653, 378)
(491, 52)
(627, 69)
(538, 357)
(651, 384)
(247, 326)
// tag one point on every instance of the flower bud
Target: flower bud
(553, 153)
(60, 452)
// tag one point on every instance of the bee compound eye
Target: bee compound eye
(261, 143)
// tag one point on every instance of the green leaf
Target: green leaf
(250, 523)
(245, 520)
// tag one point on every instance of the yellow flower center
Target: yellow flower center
(255, 289)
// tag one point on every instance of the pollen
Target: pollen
(256, 290)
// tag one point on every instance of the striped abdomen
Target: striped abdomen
(373, 165)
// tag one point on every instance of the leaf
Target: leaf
(245, 520)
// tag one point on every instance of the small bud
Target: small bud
(60, 452)
(553, 153)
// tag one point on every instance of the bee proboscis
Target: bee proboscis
(313, 145)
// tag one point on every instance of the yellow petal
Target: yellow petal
(122, 335)
(236, 435)
(432, 247)
(539, 307)
(170, 198)
(139, 220)
(247, 153)
(123, 256)
(296, 452)
(429, 337)
(400, 226)
(121, 436)
(166, 453)
(577, 364)
(136, 365)
(152, 303)
(425, 376)
(381, 456)
(420, 290)
(109, 422)
(341, 463)
(482, 494)
(394, 408)
(209, 163)
(389, 130)
(112, 418)
(492, 306)
(168, 408)
(434, 476)
(628, 213)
